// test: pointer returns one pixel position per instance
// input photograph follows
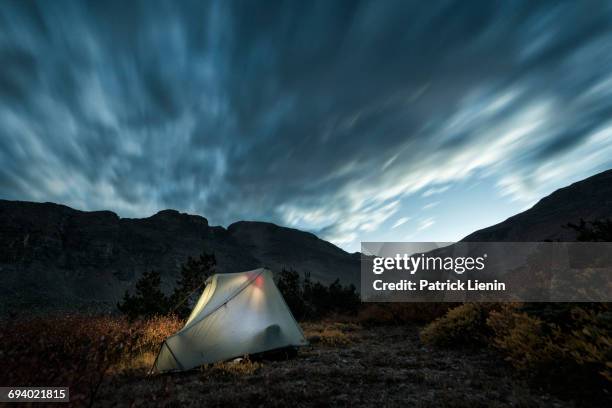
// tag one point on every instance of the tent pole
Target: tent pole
(175, 359)
(156, 357)
(187, 297)
(232, 296)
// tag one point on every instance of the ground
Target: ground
(345, 365)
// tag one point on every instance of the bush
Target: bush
(579, 352)
(571, 344)
(574, 359)
(528, 342)
(462, 325)
(566, 346)
(75, 351)
(590, 345)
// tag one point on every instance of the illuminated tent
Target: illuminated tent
(237, 314)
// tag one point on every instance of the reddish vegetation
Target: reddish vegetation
(363, 360)
(75, 351)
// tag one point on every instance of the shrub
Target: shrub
(528, 342)
(75, 350)
(462, 325)
(562, 346)
(582, 345)
(149, 334)
(591, 345)
(574, 359)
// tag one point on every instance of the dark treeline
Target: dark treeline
(306, 299)
(312, 300)
(149, 300)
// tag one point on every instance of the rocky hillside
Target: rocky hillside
(590, 199)
(56, 257)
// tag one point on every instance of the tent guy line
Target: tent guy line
(204, 317)
(237, 314)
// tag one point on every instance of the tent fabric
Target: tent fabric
(237, 314)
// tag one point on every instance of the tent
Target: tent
(237, 314)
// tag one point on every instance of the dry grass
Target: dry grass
(135, 364)
(351, 365)
(78, 351)
(230, 369)
(330, 333)
(347, 363)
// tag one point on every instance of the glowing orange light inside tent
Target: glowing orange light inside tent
(259, 281)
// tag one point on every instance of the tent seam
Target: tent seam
(175, 359)
(247, 284)
(292, 316)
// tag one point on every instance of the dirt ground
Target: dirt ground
(345, 365)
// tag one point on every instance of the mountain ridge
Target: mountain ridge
(57, 256)
(589, 199)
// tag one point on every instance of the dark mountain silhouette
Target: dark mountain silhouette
(56, 257)
(589, 199)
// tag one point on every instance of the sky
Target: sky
(355, 120)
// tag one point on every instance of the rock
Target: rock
(55, 257)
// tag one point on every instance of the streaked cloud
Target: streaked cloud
(327, 116)
(400, 221)
(432, 191)
(426, 223)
